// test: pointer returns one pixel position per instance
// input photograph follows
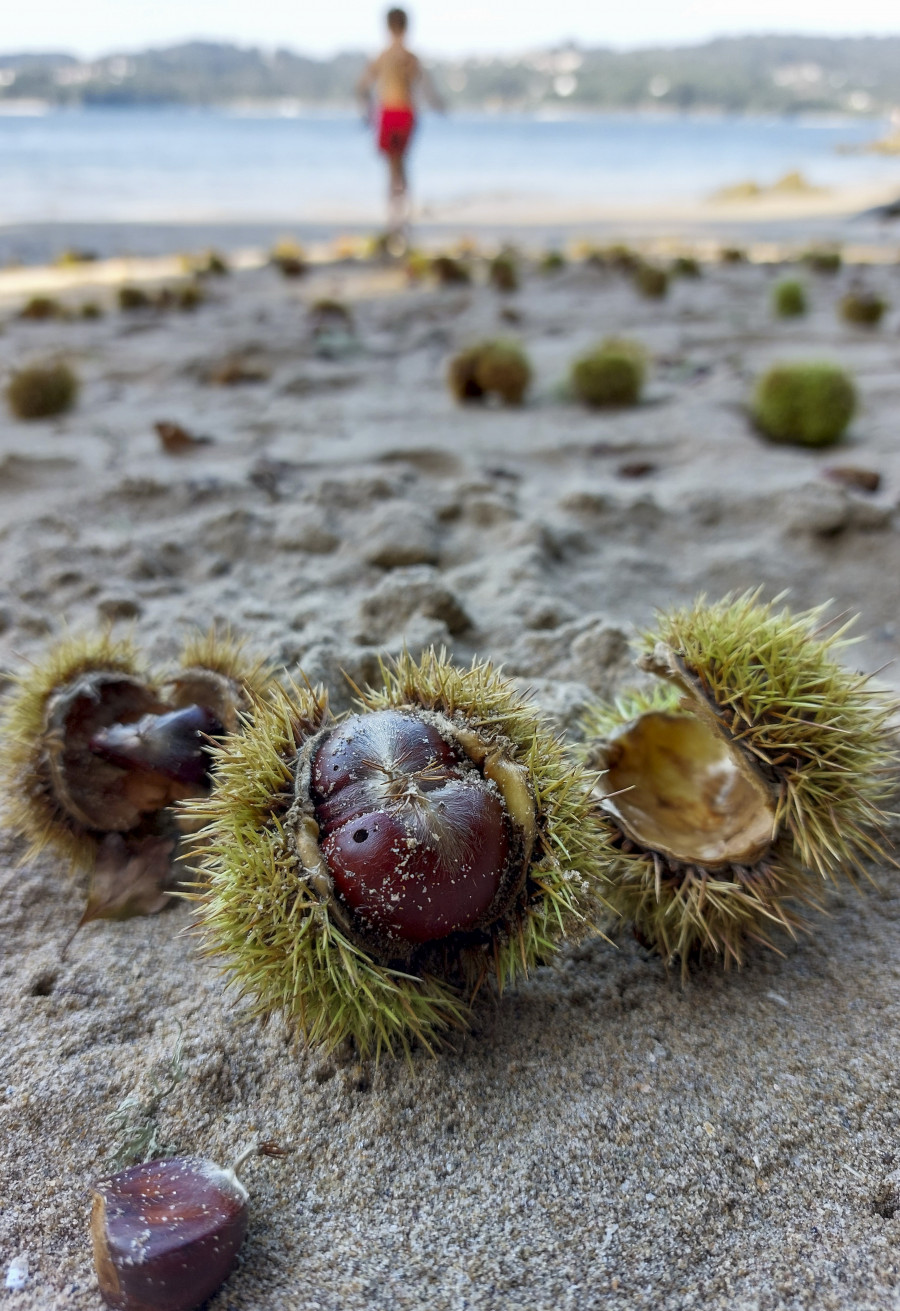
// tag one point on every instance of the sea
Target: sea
(289, 165)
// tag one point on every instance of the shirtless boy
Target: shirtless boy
(394, 77)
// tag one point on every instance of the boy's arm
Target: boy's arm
(429, 90)
(367, 79)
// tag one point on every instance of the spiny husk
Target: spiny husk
(819, 735)
(32, 808)
(680, 910)
(224, 653)
(282, 948)
(241, 678)
(282, 945)
(819, 731)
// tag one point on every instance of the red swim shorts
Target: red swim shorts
(395, 127)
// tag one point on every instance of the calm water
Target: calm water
(185, 165)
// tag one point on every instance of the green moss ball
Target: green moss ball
(503, 370)
(685, 266)
(504, 273)
(41, 308)
(804, 404)
(42, 390)
(552, 261)
(134, 298)
(862, 307)
(651, 281)
(462, 376)
(823, 261)
(450, 272)
(490, 368)
(789, 299)
(611, 374)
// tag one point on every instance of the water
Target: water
(179, 165)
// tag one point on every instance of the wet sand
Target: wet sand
(606, 1136)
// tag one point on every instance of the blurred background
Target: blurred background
(126, 127)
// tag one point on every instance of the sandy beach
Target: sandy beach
(607, 1136)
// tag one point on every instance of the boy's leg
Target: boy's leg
(397, 199)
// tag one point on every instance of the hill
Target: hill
(759, 74)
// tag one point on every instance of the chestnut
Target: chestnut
(414, 837)
(171, 744)
(92, 744)
(166, 1233)
(367, 875)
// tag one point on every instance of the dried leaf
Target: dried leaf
(636, 469)
(175, 440)
(130, 878)
(849, 475)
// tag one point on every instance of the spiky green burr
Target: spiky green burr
(38, 797)
(756, 774)
(804, 404)
(40, 391)
(611, 374)
(63, 775)
(268, 898)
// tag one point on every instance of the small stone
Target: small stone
(546, 614)
(332, 665)
(305, 532)
(817, 511)
(636, 469)
(887, 1199)
(401, 535)
(408, 592)
(600, 656)
(17, 1274)
(564, 703)
(488, 511)
(113, 608)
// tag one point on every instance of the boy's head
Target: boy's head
(397, 22)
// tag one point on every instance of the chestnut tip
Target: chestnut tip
(175, 745)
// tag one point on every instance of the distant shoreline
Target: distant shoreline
(287, 107)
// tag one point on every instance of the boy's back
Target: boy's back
(395, 73)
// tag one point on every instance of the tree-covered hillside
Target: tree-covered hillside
(766, 74)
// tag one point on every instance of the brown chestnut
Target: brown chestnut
(175, 745)
(166, 1233)
(416, 839)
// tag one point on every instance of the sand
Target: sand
(606, 1136)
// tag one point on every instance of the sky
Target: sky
(93, 27)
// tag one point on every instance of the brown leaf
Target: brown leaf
(130, 878)
(850, 475)
(175, 440)
(635, 469)
(232, 372)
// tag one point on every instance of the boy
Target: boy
(394, 77)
